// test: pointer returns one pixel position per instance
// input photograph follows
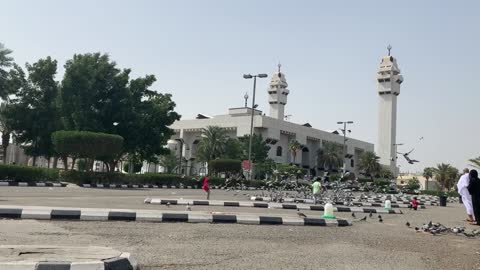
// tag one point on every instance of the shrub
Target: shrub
(225, 166)
(28, 174)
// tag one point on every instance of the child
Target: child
(414, 203)
(206, 187)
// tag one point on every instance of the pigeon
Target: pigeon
(408, 224)
(468, 234)
(379, 216)
(168, 204)
(353, 214)
(401, 212)
(430, 224)
(433, 232)
(300, 214)
(371, 214)
(380, 220)
(363, 219)
(417, 229)
(188, 207)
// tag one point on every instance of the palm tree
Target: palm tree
(329, 157)
(5, 62)
(475, 162)
(294, 146)
(5, 130)
(428, 174)
(213, 143)
(445, 174)
(369, 164)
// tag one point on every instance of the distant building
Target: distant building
(403, 179)
(275, 130)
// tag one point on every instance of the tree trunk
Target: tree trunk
(65, 162)
(55, 162)
(5, 143)
(34, 161)
(74, 160)
(5, 149)
(48, 163)
(426, 184)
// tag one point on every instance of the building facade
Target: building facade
(277, 132)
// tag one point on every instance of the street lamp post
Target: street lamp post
(344, 144)
(249, 76)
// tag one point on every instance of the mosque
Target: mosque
(278, 132)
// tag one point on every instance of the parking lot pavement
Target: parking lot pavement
(365, 245)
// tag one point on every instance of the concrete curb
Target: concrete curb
(99, 214)
(267, 205)
(151, 186)
(26, 184)
(123, 262)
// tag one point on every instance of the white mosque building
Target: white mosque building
(275, 130)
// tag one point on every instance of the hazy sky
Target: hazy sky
(329, 50)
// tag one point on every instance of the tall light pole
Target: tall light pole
(344, 143)
(249, 76)
(394, 159)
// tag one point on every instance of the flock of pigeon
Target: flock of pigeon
(439, 229)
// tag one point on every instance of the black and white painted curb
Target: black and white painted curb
(26, 184)
(150, 186)
(267, 205)
(123, 262)
(98, 214)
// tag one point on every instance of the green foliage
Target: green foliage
(5, 61)
(412, 185)
(82, 165)
(232, 166)
(369, 164)
(28, 174)
(446, 175)
(329, 157)
(385, 173)
(475, 162)
(264, 168)
(95, 94)
(234, 149)
(137, 167)
(169, 162)
(213, 143)
(33, 114)
(286, 170)
(259, 148)
(84, 144)
(294, 146)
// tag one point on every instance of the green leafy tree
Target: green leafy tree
(294, 146)
(6, 61)
(369, 164)
(265, 168)
(286, 171)
(385, 173)
(259, 148)
(169, 162)
(232, 166)
(213, 143)
(329, 156)
(234, 149)
(475, 162)
(446, 175)
(33, 115)
(97, 96)
(134, 167)
(428, 174)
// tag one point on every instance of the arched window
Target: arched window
(279, 151)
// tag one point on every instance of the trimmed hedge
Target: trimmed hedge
(78, 178)
(28, 174)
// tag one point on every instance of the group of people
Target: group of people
(469, 188)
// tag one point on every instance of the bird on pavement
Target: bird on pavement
(168, 204)
(430, 224)
(353, 214)
(371, 214)
(401, 212)
(380, 220)
(188, 207)
(408, 224)
(300, 214)
(363, 219)
(379, 216)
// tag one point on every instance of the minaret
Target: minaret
(277, 94)
(388, 85)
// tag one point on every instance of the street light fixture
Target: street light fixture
(344, 143)
(250, 76)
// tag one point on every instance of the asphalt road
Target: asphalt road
(365, 245)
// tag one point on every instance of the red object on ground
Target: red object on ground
(206, 184)
(414, 203)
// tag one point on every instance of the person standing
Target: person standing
(206, 186)
(462, 187)
(474, 189)
(316, 190)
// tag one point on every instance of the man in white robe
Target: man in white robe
(466, 197)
